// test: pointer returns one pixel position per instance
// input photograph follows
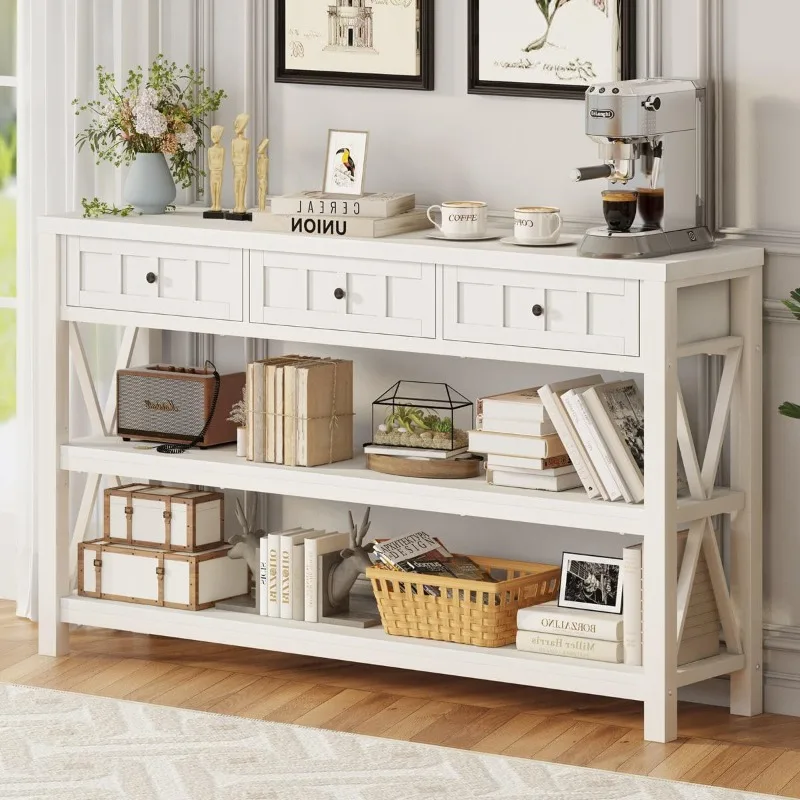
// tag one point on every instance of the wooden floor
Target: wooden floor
(760, 754)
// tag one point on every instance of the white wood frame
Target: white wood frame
(667, 432)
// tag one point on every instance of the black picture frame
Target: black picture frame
(627, 15)
(422, 82)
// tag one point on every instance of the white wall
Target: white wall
(448, 144)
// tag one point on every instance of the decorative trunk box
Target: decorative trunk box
(171, 518)
(153, 577)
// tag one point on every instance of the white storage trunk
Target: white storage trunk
(166, 517)
(153, 577)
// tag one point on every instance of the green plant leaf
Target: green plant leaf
(791, 410)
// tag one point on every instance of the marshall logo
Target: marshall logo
(602, 113)
(167, 405)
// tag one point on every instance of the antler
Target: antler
(241, 516)
(357, 534)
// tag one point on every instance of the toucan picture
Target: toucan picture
(348, 162)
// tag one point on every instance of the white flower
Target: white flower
(149, 121)
(109, 110)
(187, 139)
(148, 97)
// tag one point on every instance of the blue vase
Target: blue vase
(149, 187)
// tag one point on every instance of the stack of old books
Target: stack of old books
(522, 448)
(299, 411)
(319, 214)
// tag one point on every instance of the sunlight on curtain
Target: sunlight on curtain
(8, 291)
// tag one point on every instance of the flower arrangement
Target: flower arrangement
(548, 9)
(164, 114)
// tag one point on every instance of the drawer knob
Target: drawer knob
(150, 277)
(338, 294)
(537, 310)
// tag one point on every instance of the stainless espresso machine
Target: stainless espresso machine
(651, 135)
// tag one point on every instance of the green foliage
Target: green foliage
(415, 419)
(8, 155)
(8, 283)
(163, 114)
(97, 208)
(790, 410)
(793, 304)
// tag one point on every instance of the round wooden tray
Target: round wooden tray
(426, 467)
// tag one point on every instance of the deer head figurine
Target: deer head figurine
(355, 560)
(246, 543)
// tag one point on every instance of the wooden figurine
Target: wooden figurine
(262, 172)
(216, 165)
(240, 158)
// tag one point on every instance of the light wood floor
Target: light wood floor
(760, 754)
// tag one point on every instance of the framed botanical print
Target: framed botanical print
(549, 48)
(345, 162)
(375, 43)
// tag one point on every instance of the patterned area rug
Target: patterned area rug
(63, 746)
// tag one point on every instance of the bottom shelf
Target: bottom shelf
(373, 646)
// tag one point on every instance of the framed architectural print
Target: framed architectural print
(549, 48)
(376, 43)
(345, 162)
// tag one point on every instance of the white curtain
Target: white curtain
(61, 43)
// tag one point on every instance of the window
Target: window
(8, 285)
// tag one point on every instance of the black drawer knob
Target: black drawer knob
(150, 277)
(537, 310)
(338, 294)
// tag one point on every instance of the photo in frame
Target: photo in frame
(549, 48)
(375, 43)
(345, 162)
(591, 583)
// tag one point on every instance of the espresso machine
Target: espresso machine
(651, 135)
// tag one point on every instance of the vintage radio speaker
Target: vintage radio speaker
(172, 405)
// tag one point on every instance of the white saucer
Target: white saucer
(484, 238)
(563, 240)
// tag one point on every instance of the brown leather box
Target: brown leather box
(168, 404)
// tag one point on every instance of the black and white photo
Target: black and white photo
(591, 583)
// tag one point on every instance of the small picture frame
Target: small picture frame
(345, 163)
(591, 583)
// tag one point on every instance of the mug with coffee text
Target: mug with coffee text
(537, 224)
(461, 219)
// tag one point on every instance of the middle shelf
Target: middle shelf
(351, 482)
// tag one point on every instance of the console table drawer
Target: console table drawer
(362, 295)
(530, 309)
(203, 282)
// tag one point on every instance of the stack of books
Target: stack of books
(617, 638)
(299, 411)
(522, 446)
(369, 215)
(602, 428)
(291, 564)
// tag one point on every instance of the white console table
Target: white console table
(410, 293)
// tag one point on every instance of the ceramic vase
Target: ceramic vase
(149, 186)
(241, 442)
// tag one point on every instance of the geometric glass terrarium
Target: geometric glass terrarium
(419, 414)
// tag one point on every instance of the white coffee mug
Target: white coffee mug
(461, 219)
(537, 224)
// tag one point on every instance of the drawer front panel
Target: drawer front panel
(528, 309)
(201, 282)
(361, 295)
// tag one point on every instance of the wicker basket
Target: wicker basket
(467, 612)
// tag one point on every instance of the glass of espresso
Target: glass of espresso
(619, 209)
(651, 207)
